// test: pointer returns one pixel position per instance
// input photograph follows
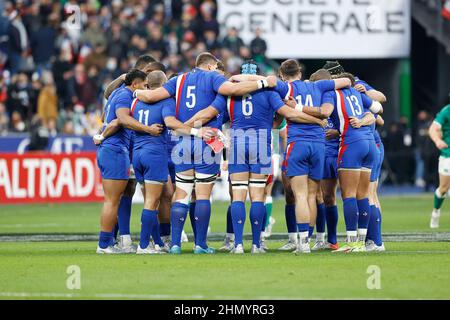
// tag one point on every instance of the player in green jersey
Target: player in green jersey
(440, 134)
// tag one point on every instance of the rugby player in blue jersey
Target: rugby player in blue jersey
(374, 240)
(196, 162)
(113, 155)
(150, 157)
(305, 154)
(352, 113)
(250, 163)
(145, 63)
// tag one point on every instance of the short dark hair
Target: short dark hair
(290, 68)
(143, 61)
(348, 76)
(205, 58)
(334, 67)
(155, 65)
(321, 74)
(220, 66)
(133, 75)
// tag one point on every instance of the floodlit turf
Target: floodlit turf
(38, 270)
(404, 214)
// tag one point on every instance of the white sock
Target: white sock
(320, 236)
(293, 237)
(126, 240)
(303, 236)
(436, 212)
(352, 235)
(230, 236)
(362, 232)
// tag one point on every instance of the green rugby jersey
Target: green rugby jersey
(443, 119)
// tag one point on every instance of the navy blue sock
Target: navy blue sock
(364, 213)
(238, 215)
(321, 218)
(156, 235)
(310, 231)
(263, 227)
(124, 215)
(116, 231)
(372, 228)
(178, 215)
(202, 216)
(332, 222)
(289, 213)
(105, 239)
(379, 234)
(164, 229)
(148, 220)
(303, 227)
(230, 220)
(192, 218)
(351, 214)
(257, 213)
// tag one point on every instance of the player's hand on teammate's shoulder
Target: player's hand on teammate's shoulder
(290, 102)
(441, 145)
(355, 122)
(360, 88)
(155, 129)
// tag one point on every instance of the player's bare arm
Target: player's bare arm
(110, 129)
(322, 112)
(342, 83)
(202, 117)
(126, 121)
(152, 96)
(372, 94)
(114, 85)
(246, 77)
(181, 128)
(367, 120)
(300, 117)
(380, 121)
(242, 88)
(436, 136)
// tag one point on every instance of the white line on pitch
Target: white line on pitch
(153, 296)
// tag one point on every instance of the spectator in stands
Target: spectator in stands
(43, 44)
(232, 41)
(84, 87)
(62, 73)
(18, 43)
(17, 124)
(4, 119)
(47, 107)
(19, 93)
(427, 150)
(258, 46)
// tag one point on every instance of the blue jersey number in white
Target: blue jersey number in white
(190, 95)
(353, 102)
(143, 116)
(307, 103)
(247, 105)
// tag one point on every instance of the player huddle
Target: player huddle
(171, 133)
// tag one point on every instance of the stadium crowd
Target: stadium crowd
(56, 57)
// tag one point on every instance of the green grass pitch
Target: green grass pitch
(38, 270)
